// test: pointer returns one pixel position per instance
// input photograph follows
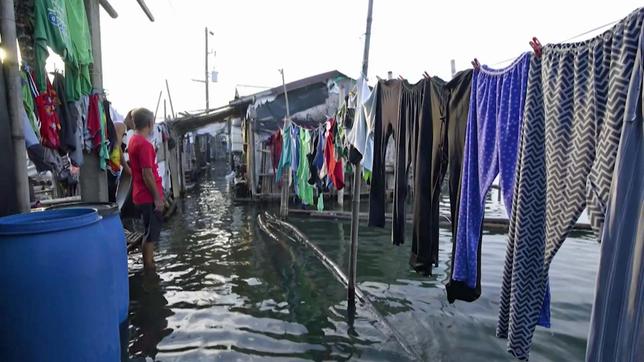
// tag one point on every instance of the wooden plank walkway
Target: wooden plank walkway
(496, 223)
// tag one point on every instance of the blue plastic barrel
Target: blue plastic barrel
(56, 302)
(117, 248)
(111, 222)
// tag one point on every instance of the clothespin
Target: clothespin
(536, 46)
(400, 77)
(426, 75)
(475, 64)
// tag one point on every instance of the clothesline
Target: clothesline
(565, 40)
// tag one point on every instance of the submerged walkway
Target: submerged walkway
(229, 291)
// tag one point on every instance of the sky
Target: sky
(254, 38)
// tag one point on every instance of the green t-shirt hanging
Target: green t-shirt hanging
(50, 29)
(77, 78)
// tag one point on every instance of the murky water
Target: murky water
(229, 292)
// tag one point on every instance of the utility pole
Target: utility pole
(12, 79)
(93, 180)
(286, 178)
(357, 180)
(206, 78)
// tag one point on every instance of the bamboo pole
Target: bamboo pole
(167, 87)
(357, 176)
(286, 176)
(12, 80)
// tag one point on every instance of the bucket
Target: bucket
(55, 279)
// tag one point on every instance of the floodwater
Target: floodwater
(227, 291)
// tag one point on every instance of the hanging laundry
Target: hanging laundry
(285, 159)
(103, 151)
(387, 123)
(29, 92)
(67, 115)
(320, 160)
(51, 29)
(436, 113)
(334, 165)
(275, 143)
(110, 131)
(358, 135)
(30, 136)
(49, 122)
(77, 77)
(94, 121)
(616, 328)
(369, 114)
(491, 147)
(314, 178)
(575, 105)
(295, 154)
(305, 191)
(76, 156)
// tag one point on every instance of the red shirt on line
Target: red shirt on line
(142, 155)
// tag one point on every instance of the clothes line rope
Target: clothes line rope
(566, 40)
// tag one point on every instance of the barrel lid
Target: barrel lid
(48, 221)
(103, 208)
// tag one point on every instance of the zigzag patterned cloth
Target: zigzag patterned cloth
(572, 125)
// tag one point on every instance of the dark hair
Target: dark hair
(142, 117)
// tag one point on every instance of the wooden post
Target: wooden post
(206, 80)
(286, 176)
(93, 180)
(357, 176)
(250, 128)
(167, 88)
(14, 104)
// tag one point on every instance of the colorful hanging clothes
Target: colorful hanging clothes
(103, 149)
(305, 191)
(334, 165)
(285, 159)
(295, 154)
(94, 121)
(28, 88)
(275, 142)
(491, 147)
(575, 106)
(67, 115)
(49, 122)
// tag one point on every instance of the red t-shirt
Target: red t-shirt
(141, 154)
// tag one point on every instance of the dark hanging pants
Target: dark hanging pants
(436, 113)
(387, 123)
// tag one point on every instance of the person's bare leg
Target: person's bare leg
(148, 257)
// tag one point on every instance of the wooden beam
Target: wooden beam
(108, 8)
(146, 10)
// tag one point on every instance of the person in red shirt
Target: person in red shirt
(147, 191)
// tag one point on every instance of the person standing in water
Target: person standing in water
(147, 191)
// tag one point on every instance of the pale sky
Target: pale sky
(254, 38)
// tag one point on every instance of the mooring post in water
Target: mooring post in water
(286, 176)
(12, 80)
(357, 180)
